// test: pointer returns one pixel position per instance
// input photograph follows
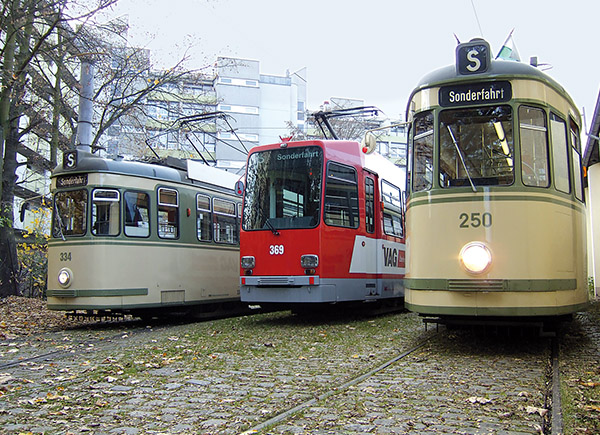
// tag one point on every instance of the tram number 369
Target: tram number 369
(475, 220)
(276, 250)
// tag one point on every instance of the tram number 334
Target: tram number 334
(276, 249)
(475, 220)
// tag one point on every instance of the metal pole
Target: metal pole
(86, 107)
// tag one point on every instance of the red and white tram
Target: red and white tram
(322, 223)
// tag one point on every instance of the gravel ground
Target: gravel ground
(230, 375)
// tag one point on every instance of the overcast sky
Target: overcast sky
(372, 50)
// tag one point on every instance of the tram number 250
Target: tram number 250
(475, 220)
(276, 249)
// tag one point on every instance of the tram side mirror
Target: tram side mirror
(24, 207)
(369, 143)
(239, 188)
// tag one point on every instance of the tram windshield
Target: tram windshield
(70, 209)
(476, 147)
(283, 189)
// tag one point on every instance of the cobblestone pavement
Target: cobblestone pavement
(227, 376)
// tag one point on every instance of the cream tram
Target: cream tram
(495, 211)
(141, 238)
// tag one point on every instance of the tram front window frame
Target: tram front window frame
(70, 213)
(476, 147)
(283, 189)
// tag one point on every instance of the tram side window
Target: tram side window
(369, 205)
(341, 196)
(203, 218)
(560, 153)
(576, 160)
(70, 211)
(422, 176)
(392, 210)
(168, 213)
(225, 221)
(534, 147)
(105, 212)
(137, 214)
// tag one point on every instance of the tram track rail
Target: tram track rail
(556, 420)
(336, 389)
(280, 373)
(91, 343)
(543, 409)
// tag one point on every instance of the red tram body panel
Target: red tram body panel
(322, 223)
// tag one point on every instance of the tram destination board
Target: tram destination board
(475, 93)
(72, 180)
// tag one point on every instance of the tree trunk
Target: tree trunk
(9, 263)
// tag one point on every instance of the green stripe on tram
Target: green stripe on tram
(87, 242)
(503, 285)
(437, 197)
(496, 311)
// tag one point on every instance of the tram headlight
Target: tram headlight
(65, 277)
(475, 257)
(248, 262)
(309, 261)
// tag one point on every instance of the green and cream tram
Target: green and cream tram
(141, 238)
(495, 211)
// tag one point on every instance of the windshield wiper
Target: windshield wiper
(60, 222)
(462, 159)
(271, 227)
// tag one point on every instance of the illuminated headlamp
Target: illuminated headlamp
(248, 262)
(64, 277)
(475, 257)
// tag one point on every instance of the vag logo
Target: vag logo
(392, 257)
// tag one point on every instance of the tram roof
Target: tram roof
(592, 152)
(498, 69)
(174, 170)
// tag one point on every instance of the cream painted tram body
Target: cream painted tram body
(495, 213)
(140, 238)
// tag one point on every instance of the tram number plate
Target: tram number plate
(475, 220)
(276, 249)
(65, 256)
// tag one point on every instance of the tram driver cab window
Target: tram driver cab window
(534, 147)
(422, 167)
(105, 212)
(341, 196)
